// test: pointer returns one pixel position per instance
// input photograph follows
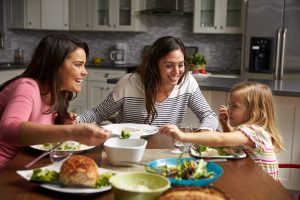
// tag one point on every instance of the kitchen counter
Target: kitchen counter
(279, 88)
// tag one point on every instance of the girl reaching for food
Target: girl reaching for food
(249, 121)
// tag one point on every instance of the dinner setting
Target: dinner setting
(75, 124)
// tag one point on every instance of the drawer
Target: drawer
(103, 74)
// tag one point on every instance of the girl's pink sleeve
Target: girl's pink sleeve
(18, 110)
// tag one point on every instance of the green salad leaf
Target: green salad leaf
(125, 134)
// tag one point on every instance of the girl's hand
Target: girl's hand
(90, 134)
(71, 118)
(172, 130)
(224, 119)
(223, 114)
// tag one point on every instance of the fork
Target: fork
(42, 155)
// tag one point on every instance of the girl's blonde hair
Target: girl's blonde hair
(259, 100)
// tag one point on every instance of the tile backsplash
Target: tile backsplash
(221, 50)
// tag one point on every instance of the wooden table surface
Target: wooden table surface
(242, 179)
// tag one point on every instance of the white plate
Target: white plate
(26, 174)
(136, 130)
(238, 155)
(201, 77)
(81, 148)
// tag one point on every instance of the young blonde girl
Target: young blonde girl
(249, 121)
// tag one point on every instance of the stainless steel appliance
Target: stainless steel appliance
(118, 56)
(272, 39)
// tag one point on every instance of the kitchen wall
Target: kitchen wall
(221, 50)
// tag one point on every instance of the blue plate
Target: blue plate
(211, 167)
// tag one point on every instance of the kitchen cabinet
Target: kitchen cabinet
(218, 16)
(16, 13)
(288, 118)
(81, 15)
(38, 14)
(95, 89)
(55, 14)
(118, 15)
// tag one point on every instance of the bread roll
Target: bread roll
(79, 171)
(193, 193)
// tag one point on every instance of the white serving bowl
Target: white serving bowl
(201, 77)
(118, 151)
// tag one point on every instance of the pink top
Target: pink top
(19, 101)
(263, 153)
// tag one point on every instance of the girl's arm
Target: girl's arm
(224, 119)
(208, 138)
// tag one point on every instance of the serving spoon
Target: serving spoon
(154, 170)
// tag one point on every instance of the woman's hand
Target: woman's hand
(90, 134)
(172, 130)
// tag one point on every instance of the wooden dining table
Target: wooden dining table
(242, 178)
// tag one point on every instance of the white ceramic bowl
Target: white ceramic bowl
(120, 150)
(201, 77)
(138, 186)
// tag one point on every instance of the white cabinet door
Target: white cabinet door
(218, 16)
(97, 92)
(55, 14)
(118, 15)
(288, 120)
(81, 14)
(16, 13)
(79, 104)
(33, 11)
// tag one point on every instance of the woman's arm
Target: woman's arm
(30, 133)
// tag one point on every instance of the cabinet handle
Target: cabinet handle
(87, 25)
(29, 23)
(115, 25)
(221, 27)
(66, 24)
(216, 27)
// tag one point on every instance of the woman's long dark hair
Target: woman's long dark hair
(149, 71)
(48, 57)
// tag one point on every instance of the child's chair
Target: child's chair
(290, 165)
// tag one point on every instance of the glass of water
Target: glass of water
(58, 155)
(182, 147)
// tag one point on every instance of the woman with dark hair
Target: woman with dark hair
(158, 93)
(33, 104)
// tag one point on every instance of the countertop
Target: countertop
(279, 88)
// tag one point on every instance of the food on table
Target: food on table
(214, 151)
(66, 146)
(188, 169)
(199, 193)
(79, 170)
(45, 175)
(125, 134)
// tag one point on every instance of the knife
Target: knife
(42, 155)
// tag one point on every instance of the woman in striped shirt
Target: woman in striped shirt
(158, 93)
(249, 121)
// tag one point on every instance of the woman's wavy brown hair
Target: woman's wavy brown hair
(149, 71)
(259, 100)
(48, 57)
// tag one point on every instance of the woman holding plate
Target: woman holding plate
(158, 93)
(33, 105)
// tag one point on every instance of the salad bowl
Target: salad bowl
(211, 168)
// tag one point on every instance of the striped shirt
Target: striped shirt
(263, 153)
(127, 99)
